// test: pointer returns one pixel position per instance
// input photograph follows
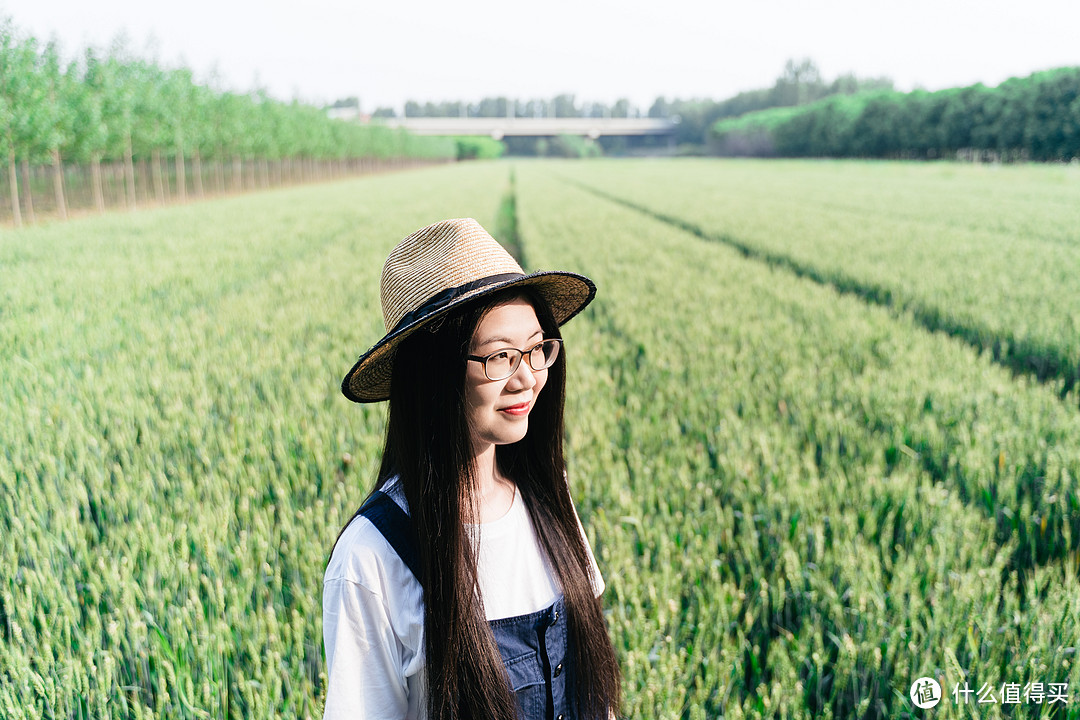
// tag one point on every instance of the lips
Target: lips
(519, 409)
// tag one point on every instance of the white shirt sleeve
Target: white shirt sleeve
(373, 627)
(363, 656)
(372, 630)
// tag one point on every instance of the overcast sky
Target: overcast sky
(390, 51)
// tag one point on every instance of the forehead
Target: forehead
(511, 322)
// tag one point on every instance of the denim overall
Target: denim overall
(533, 647)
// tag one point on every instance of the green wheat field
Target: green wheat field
(823, 432)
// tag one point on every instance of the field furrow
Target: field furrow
(1001, 280)
(174, 493)
(754, 475)
(801, 501)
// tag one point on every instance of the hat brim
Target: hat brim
(369, 380)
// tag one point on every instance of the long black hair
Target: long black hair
(429, 447)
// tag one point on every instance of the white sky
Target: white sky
(389, 51)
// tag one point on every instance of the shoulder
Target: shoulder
(360, 556)
(364, 557)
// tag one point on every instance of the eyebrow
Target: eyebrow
(507, 340)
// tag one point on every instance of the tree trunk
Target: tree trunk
(116, 179)
(219, 167)
(181, 174)
(251, 174)
(155, 169)
(129, 173)
(28, 194)
(13, 181)
(145, 174)
(237, 173)
(95, 181)
(58, 184)
(196, 168)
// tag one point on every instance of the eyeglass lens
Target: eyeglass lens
(502, 364)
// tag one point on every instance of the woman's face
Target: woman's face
(498, 410)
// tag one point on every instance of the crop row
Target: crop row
(983, 254)
(760, 490)
(800, 502)
(177, 457)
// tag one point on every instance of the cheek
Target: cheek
(541, 381)
(472, 403)
(478, 393)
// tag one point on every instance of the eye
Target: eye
(499, 356)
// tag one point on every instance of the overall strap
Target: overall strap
(396, 526)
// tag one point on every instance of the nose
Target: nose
(522, 379)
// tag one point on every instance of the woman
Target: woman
(464, 587)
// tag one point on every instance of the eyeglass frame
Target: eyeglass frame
(482, 359)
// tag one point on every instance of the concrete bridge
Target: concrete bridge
(500, 127)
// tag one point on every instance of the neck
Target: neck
(485, 471)
(494, 493)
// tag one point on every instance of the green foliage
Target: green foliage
(799, 83)
(801, 499)
(1023, 118)
(177, 457)
(95, 106)
(573, 146)
(751, 134)
(90, 132)
(476, 147)
(954, 247)
(21, 87)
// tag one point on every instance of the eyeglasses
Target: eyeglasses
(501, 364)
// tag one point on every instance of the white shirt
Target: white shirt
(373, 611)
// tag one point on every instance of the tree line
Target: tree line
(799, 83)
(560, 106)
(154, 132)
(1029, 118)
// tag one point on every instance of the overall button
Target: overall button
(558, 670)
(556, 618)
(560, 717)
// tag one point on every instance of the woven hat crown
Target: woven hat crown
(436, 259)
(440, 268)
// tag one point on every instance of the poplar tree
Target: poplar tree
(55, 118)
(90, 135)
(19, 98)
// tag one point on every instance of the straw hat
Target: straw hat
(437, 269)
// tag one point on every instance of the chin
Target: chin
(515, 436)
(513, 439)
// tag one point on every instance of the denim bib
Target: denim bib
(534, 647)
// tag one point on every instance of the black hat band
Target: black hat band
(440, 300)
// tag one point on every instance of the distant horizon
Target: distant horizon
(582, 101)
(424, 51)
